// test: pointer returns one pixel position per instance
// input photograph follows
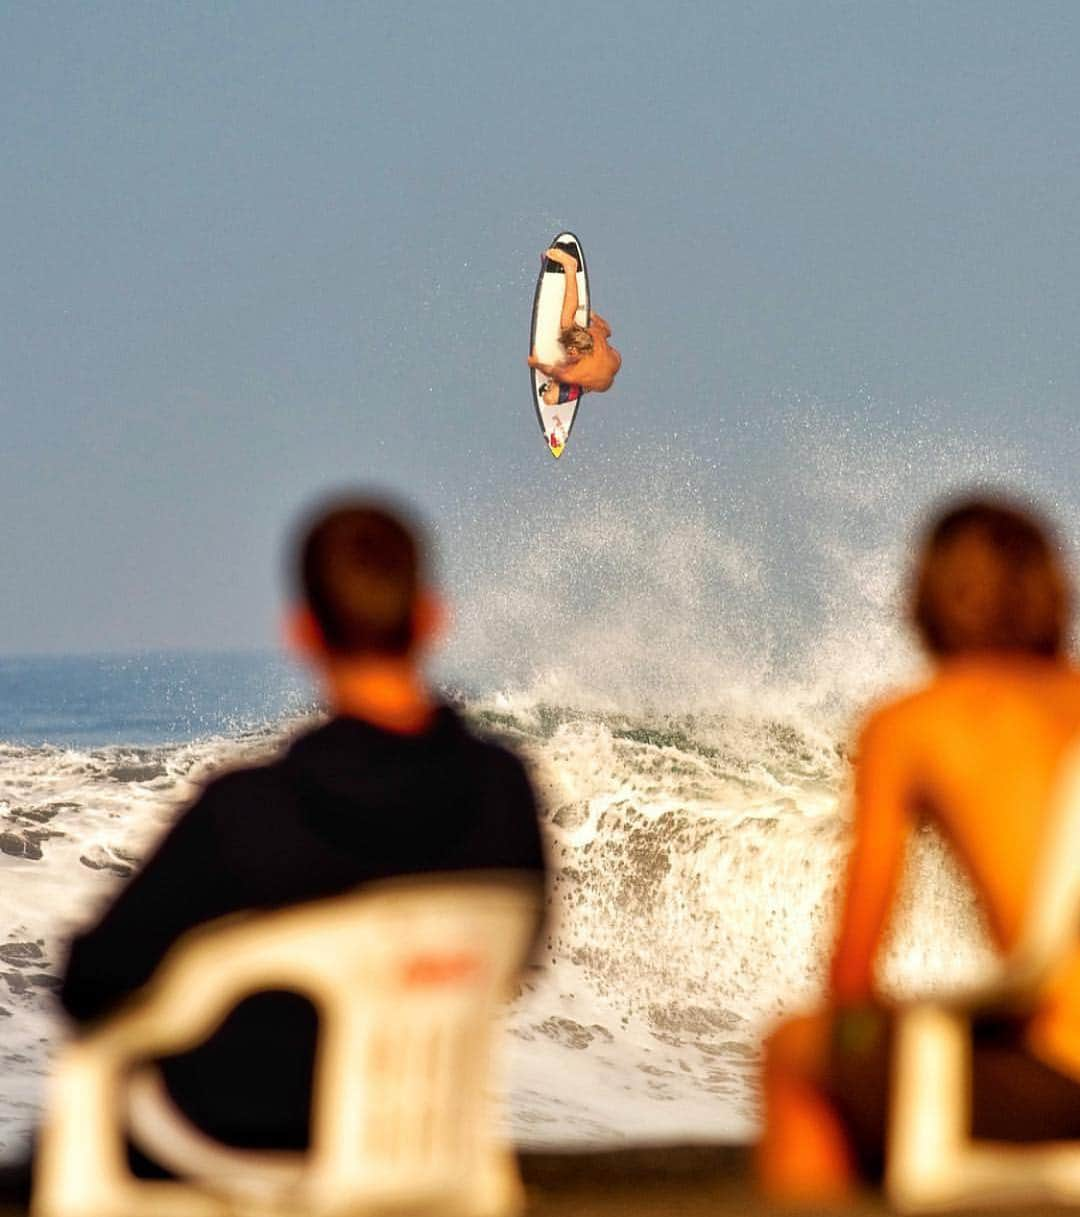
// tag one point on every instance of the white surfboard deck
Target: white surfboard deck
(555, 421)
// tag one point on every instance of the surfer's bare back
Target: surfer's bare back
(590, 362)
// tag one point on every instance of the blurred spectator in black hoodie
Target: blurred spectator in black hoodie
(393, 784)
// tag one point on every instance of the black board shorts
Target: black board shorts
(1015, 1096)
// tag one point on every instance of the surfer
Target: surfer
(392, 783)
(591, 363)
(977, 751)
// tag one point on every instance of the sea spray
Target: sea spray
(681, 649)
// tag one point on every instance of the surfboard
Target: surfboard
(556, 421)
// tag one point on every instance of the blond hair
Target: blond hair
(576, 341)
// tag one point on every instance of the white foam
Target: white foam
(694, 904)
(92, 814)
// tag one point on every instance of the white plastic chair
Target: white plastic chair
(932, 1162)
(406, 978)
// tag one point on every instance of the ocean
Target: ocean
(697, 854)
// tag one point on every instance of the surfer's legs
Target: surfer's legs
(803, 1154)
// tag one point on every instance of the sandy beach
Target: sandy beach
(673, 1181)
(667, 1181)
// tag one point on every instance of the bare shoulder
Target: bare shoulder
(894, 728)
(950, 689)
(893, 714)
(978, 698)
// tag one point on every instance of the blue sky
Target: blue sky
(256, 250)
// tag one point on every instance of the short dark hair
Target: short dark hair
(990, 579)
(359, 571)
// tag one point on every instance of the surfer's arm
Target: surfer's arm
(882, 824)
(570, 293)
(546, 368)
(570, 296)
(600, 323)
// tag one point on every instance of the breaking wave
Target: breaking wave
(696, 861)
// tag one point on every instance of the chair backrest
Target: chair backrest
(933, 1164)
(1052, 919)
(406, 977)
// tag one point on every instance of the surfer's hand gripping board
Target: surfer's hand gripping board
(564, 259)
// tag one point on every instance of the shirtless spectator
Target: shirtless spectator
(392, 783)
(976, 751)
(590, 363)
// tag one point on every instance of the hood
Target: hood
(354, 778)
